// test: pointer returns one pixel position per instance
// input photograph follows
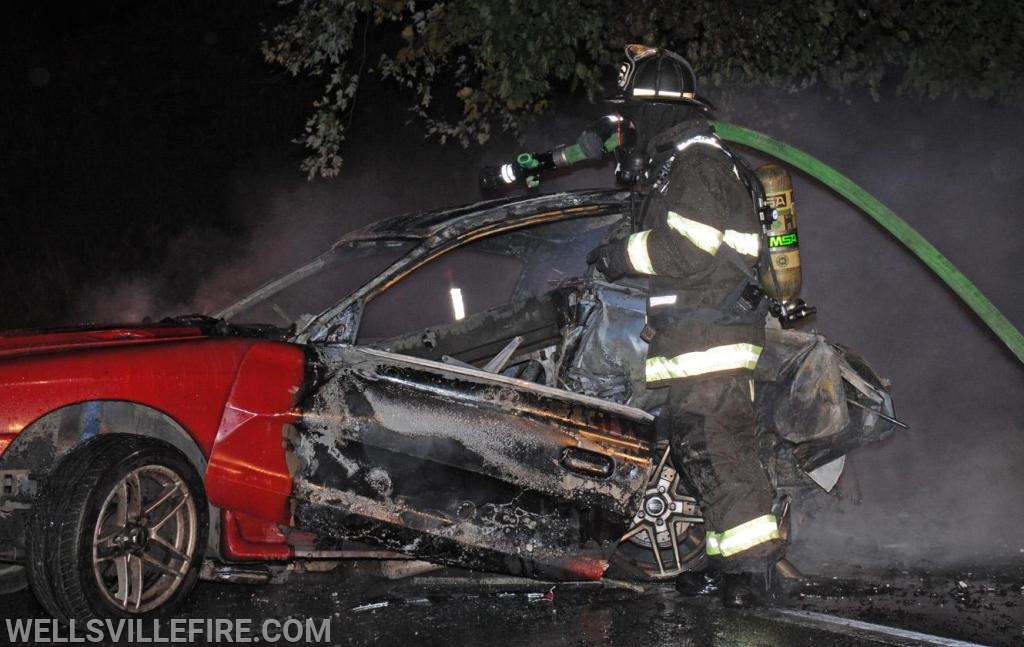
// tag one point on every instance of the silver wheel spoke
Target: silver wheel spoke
(107, 555)
(105, 546)
(134, 496)
(160, 566)
(135, 568)
(655, 550)
(674, 541)
(170, 513)
(164, 497)
(177, 554)
(122, 504)
(661, 464)
(632, 532)
(122, 580)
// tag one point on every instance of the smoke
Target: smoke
(948, 491)
(131, 299)
(945, 492)
(283, 219)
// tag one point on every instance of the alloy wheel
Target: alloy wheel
(145, 539)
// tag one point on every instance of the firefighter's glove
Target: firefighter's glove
(609, 260)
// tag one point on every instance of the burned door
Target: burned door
(456, 465)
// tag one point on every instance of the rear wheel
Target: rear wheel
(666, 537)
(119, 532)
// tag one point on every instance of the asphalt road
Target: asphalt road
(458, 608)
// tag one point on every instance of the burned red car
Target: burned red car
(454, 386)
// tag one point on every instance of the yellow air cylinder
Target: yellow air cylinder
(783, 243)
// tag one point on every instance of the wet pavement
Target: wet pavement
(455, 607)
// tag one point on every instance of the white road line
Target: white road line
(851, 627)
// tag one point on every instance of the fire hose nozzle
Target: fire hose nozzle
(496, 177)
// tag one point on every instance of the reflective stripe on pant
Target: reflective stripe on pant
(718, 358)
(743, 537)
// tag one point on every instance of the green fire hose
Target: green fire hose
(884, 216)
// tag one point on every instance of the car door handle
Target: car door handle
(587, 463)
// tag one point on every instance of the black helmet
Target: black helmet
(657, 75)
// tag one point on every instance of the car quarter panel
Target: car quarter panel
(187, 380)
(247, 470)
(231, 395)
(57, 395)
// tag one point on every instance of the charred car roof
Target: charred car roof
(455, 221)
(431, 231)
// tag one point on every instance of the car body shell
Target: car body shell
(261, 414)
(313, 446)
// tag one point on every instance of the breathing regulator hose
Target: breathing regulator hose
(884, 216)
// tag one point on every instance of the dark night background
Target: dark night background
(147, 169)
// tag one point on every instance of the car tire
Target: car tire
(12, 578)
(42, 522)
(118, 531)
(666, 537)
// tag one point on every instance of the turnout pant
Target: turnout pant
(712, 430)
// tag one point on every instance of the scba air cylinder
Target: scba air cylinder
(783, 243)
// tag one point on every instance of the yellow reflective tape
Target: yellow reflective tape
(718, 358)
(747, 535)
(711, 543)
(746, 244)
(704, 237)
(636, 248)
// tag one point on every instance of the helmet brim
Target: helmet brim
(696, 101)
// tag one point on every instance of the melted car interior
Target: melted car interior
(500, 304)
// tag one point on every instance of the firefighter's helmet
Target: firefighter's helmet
(657, 75)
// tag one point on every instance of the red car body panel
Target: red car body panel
(245, 538)
(187, 377)
(17, 342)
(232, 395)
(247, 470)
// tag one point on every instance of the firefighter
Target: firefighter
(700, 242)
(698, 237)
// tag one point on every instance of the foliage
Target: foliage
(471, 65)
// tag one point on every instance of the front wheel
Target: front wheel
(119, 532)
(666, 537)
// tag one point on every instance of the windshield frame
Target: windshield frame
(437, 236)
(344, 250)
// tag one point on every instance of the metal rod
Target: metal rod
(879, 414)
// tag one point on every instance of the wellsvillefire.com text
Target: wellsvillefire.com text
(178, 630)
